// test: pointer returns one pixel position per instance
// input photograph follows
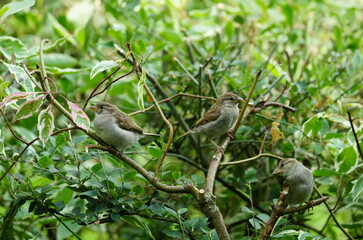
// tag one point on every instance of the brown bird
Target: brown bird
(115, 127)
(298, 178)
(219, 119)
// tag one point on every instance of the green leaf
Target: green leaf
(172, 212)
(182, 211)
(102, 66)
(246, 209)
(324, 172)
(357, 188)
(229, 30)
(29, 108)
(10, 46)
(57, 70)
(56, 60)
(255, 223)
(21, 77)
(137, 189)
(312, 125)
(140, 90)
(130, 175)
(45, 124)
(79, 117)
(115, 217)
(155, 151)
(62, 31)
(288, 11)
(346, 159)
(44, 162)
(173, 234)
(2, 87)
(15, 7)
(137, 222)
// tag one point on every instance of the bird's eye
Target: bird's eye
(282, 164)
(231, 98)
(101, 107)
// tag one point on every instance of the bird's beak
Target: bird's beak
(240, 100)
(277, 171)
(94, 108)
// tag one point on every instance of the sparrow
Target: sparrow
(299, 179)
(219, 119)
(115, 127)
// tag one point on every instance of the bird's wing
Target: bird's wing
(125, 122)
(212, 114)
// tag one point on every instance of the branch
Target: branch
(310, 204)
(213, 167)
(280, 210)
(355, 135)
(264, 105)
(275, 215)
(186, 188)
(169, 99)
(289, 66)
(333, 216)
(261, 155)
(207, 200)
(11, 129)
(27, 146)
(171, 130)
(99, 84)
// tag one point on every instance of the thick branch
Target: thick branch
(275, 215)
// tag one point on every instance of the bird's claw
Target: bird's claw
(310, 204)
(220, 149)
(229, 134)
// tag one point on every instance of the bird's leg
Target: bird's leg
(229, 134)
(310, 204)
(219, 148)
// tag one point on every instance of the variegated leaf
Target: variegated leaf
(45, 124)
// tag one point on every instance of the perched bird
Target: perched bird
(115, 127)
(298, 178)
(219, 119)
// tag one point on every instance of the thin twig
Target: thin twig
(355, 135)
(170, 127)
(291, 74)
(264, 137)
(44, 83)
(112, 82)
(98, 85)
(273, 104)
(333, 216)
(251, 159)
(169, 99)
(11, 129)
(185, 70)
(211, 83)
(27, 146)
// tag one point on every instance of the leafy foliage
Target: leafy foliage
(311, 54)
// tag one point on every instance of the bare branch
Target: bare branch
(11, 129)
(251, 159)
(169, 99)
(355, 135)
